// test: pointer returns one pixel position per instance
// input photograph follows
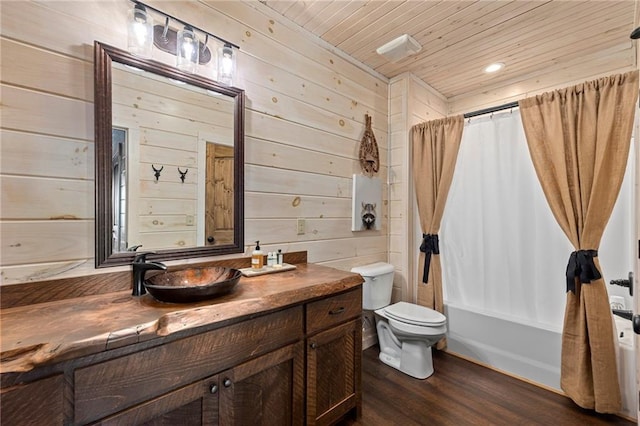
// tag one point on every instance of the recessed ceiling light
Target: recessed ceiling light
(496, 66)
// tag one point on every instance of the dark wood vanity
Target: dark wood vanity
(282, 349)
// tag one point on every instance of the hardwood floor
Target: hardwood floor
(462, 393)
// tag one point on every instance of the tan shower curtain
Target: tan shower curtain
(579, 141)
(435, 150)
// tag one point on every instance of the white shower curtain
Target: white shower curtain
(503, 253)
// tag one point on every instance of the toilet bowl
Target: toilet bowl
(406, 331)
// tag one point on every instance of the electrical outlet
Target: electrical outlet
(190, 220)
(301, 226)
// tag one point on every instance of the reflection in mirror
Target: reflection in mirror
(169, 161)
(168, 127)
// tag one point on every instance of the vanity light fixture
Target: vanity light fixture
(184, 44)
(495, 67)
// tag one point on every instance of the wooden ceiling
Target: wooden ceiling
(460, 38)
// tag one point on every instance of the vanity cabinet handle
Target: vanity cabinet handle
(227, 383)
(213, 389)
(337, 311)
(313, 345)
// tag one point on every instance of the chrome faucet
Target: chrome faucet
(140, 267)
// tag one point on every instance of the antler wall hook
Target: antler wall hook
(156, 172)
(182, 174)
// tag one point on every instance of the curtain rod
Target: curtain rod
(491, 109)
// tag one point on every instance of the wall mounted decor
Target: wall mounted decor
(368, 154)
(156, 172)
(366, 203)
(183, 175)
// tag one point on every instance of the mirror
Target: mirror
(169, 161)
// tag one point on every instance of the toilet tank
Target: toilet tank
(377, 286)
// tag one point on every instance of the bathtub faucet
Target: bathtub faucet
(626, 314)
(140, 267)
(625, 283)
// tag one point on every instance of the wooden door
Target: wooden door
(267, 391)
(333, 373)
(219, 184)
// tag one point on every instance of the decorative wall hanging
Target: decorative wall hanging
(156, 172)
(369, 156)
(366, 203)
(183, 175)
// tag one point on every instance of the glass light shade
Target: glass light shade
(140, 31)
(188, 50)
(212, 65)
(226, 65)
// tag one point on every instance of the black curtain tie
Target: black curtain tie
(581, 266)
(429, 246)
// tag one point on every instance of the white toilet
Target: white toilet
(406, 331)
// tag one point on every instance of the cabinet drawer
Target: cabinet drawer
(334, 310)
(37, 403)
(114, 385)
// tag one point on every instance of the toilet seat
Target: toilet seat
(412, 314)
(410, 330)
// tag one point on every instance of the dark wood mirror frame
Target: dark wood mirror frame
(104, 55)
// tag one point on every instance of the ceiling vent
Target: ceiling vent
(399, 48)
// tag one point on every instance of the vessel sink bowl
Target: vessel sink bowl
(192, 284)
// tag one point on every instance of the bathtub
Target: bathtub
(627, 367)
(529, 352)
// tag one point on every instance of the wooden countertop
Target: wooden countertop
(46, 333)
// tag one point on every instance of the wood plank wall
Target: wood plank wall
(304, 120)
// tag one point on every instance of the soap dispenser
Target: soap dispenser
(257, 260)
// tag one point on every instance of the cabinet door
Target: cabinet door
(333, 373)
(37, 403)
(195, 404)
(112, 386)
(267, 391)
